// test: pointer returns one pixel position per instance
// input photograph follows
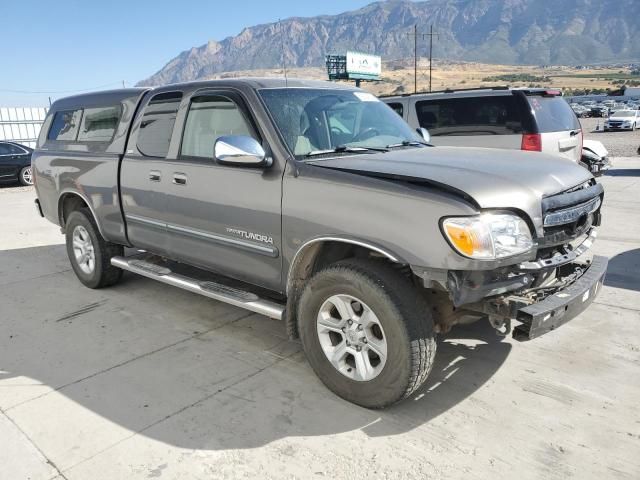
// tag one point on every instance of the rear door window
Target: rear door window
(553, 114)
(156, 126)
(65, 125)
(99, 124)
(494, 115)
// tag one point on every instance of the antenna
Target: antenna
(284, 63)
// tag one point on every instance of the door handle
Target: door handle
(179, 179)
(154, 175)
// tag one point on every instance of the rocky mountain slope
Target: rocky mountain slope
(493, 31)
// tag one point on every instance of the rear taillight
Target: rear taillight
(531, 142)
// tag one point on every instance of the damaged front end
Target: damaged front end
(542, 294)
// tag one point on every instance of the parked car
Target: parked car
(15, 163)
(313, 203)
(595, 157)
(623, 120)
(580, 111)
(600, 111)
(520, 119)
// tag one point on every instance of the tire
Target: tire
(404, 321)
(97, 274)
(26, 177)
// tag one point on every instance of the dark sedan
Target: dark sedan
(15, 163)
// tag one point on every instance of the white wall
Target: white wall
(21, 124)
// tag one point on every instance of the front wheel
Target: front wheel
(367, 332)
(90, 254)
(26, 176)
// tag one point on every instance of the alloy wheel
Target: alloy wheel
(352, 337)
(27, 176)
(83, 249)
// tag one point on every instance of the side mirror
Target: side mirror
(424, 133)
(240, 150)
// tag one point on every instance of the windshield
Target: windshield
(315, 120)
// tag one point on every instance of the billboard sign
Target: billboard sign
(363, 65)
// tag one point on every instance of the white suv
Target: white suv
(521, 119)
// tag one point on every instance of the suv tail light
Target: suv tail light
(531, 142)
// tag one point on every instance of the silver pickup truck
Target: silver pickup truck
(314, 203)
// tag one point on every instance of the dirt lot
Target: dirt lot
(619, 144)
(146, 381)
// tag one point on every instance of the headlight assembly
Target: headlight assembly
(488, 236)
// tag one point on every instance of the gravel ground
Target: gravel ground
(619, 144)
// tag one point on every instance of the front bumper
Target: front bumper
(565, 304)
(618, 127)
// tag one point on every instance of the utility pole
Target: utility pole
(415, 56)
(431, 35)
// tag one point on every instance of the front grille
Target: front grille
(569, 215)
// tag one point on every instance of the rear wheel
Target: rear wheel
(90, 254)
(26, 176)
(367, 332)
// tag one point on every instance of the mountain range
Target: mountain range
(527, 32)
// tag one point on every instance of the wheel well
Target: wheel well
(316, 256)
(69, 202)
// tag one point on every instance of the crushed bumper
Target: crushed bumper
(557, 309)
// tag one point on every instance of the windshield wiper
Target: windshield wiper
(409, 143)
(346, 149)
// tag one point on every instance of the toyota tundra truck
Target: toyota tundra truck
(315, 204)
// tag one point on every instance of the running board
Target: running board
(217, 291)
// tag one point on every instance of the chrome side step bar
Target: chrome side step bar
(216, 291)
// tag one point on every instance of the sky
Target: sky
(58, 48)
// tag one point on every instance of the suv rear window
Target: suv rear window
(157, 123)
(553, 114)
(65, 125)
(99, 124)
(492, 115)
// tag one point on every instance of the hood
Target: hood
(493, 178)
(596, 147)
(617, 118)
